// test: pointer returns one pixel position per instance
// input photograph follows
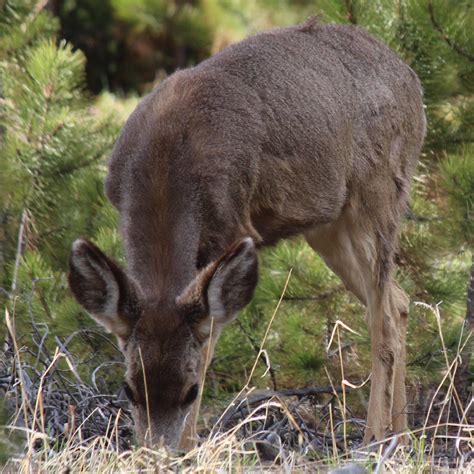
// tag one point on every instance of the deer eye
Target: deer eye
(128, 392)
(191, 395)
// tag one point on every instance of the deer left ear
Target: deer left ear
(222, 289)
(103, 289)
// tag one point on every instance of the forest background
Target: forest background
(71, 72)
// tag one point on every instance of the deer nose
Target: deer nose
(152, 440)
(161, 430)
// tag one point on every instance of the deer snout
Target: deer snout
(159, 429)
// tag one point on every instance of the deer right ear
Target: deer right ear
(103, 289)
(221, 289)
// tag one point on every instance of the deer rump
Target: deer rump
(314, 130)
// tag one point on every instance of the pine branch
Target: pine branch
(462, 375)
(320, 297)
(454, 46)
(69, 169)
(351, 15)
(33, 15)
(20, 249)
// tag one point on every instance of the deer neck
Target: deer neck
(162, 247)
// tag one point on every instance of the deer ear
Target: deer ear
(222, 289)
(103, 289)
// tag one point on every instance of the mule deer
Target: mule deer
(313, 130)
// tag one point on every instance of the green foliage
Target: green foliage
(23, 23)
(457, 173)
(57, 147)
(53, 159)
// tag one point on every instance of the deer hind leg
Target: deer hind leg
(401, 303)
(352, 253)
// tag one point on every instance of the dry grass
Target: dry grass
(273, 432)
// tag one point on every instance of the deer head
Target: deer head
(163, 339)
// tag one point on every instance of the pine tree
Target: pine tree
(53, 158)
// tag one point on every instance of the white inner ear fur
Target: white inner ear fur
(110, 309)
(89, 269)
(239, 264)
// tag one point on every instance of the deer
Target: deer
(312, 130)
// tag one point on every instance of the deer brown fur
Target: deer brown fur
(313, 130)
